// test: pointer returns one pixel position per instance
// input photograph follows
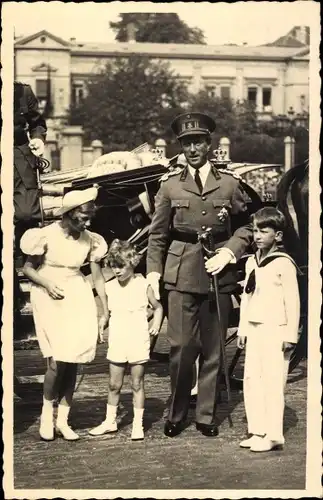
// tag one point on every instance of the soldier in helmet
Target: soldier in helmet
(191, 199)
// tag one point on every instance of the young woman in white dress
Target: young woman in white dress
(64, 309)
(129, 296)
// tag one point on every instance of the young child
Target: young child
(269, 320)
(129, 296)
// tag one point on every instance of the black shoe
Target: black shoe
(173, 429)
(207, 430)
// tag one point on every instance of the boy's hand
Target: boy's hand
(241, 342)
(288, 346)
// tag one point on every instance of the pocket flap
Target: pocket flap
(222, 203)
(177, 248)
(180, 203)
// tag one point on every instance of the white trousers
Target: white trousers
(265, 377)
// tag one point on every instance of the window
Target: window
(41, 89)
(225, 92)
(210, 89)
(266, 99)
(77, 93)
(252, 95)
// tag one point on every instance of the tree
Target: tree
(129, 103)
(157, 28)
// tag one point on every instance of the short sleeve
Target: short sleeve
(98, 247)
(34, 242)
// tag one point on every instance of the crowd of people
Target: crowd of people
(192, 201)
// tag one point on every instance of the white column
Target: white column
(97, 148)
(224, 145)
(239, 85)
(259, 106)
(289, 152)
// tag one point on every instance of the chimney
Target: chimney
(131, 33)
(301, 34)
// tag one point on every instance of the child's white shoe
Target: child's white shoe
(266, 445)
(62, 426)
(106, 427)
(46, 428)
(109, 424)
(137, 433)
(248, 443)
(67, 432)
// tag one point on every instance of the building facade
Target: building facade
(274, 77)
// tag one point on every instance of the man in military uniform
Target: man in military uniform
(27, 121)
(29, 137)
(190, 200)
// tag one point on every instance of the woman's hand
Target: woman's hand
(153, 331)
(54, 291)
(241, 342)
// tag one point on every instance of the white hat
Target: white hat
(74, 199)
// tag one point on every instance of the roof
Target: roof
(184, 50)
(25, 39)
(168, 50)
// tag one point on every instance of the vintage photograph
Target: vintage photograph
(160, 199)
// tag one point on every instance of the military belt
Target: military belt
(193, 237)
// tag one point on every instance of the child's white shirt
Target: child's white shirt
(275, 300)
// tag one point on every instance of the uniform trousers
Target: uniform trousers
(193, 329)
(265, 377)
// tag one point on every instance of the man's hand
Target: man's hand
(37, 146)
(215, 264)
(153, 280)
(241, 342)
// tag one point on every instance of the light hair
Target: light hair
(122, 253)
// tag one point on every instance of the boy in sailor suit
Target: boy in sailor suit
(269, 320)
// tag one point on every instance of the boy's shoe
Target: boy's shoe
(106, 427)
(253, 440)
(266, 444)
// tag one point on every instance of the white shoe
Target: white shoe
(266, 445)
(106, 427)
(46, 429)
(137, 433)
(67, 432)
(247, 443)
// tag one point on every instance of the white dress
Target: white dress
(129, 340)
(66, 329)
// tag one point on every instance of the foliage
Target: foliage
(157, 28)
(131, 102)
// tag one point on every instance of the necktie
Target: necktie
(197, 179)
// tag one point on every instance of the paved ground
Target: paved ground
(189, 461)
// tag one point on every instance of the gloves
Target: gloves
(222, 258)
(153, 280)
(37, 146)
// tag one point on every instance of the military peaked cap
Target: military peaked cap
(192, 124)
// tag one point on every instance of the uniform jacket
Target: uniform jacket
(27, 118)
(275, 296)
(181, 206)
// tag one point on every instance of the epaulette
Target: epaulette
(172, 171)
(230, 172)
